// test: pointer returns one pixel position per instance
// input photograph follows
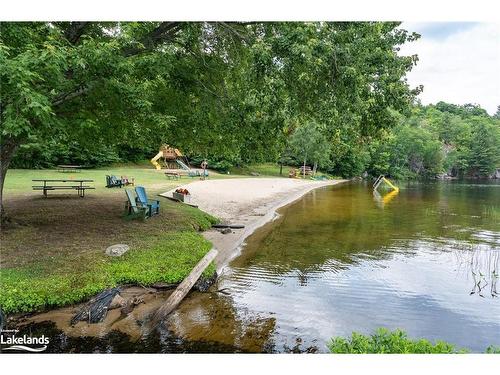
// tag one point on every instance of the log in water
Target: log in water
(183, 289)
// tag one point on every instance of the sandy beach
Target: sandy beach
(251, 202)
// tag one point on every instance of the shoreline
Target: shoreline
(254, 213)
(245, 206)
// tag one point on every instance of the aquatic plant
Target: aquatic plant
(491, 212)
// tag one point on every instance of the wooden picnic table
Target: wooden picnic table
(174, 175)
(69, 168)
(52, 184)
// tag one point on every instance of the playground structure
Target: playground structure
(170, 158)
(381, 179)
(383, 200)
(174, 159)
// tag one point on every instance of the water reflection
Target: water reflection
(334, 263)
(384, 199)
(482, 265)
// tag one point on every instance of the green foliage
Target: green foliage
(484, 154)
(492, 349)
(308, 143)
(169, 258)
(460, 140)
(228, 92)
(384, 341)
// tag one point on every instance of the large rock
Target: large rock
(117, 250)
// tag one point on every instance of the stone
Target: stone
(226, 231)
(117, 250)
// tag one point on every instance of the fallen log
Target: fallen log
(184, 287)
(230, 226)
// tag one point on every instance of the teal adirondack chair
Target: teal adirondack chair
(132, 210)
(152, 205)
(112, 181)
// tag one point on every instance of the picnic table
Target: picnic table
(50, 184)
(69, 168)
(174, 175)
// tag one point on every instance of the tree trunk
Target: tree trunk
(315, 168)
(281, 168)
(304, 168)
(8, 147)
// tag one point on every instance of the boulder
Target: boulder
(117, 250)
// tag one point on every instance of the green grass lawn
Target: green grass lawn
(52, 250)
(18, 181)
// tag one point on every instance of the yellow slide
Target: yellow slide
(154, 160)
(395, 188)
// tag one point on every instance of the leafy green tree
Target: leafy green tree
(96, 83)
(484, 149)
(497, 113)
(225, 91)
(309, 144)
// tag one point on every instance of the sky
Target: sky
(459, 62)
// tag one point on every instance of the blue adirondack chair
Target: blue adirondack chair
(132, 210)
(143, 201)
(112, 181)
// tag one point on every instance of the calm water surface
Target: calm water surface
(341, 260)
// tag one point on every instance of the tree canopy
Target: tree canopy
(462, 141)
(234, 92)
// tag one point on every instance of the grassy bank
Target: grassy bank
(52, 252)
(169, 258)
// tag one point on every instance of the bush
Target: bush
(387, 342)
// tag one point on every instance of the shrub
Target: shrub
(388, 342)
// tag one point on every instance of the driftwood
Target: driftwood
(184, 287)
(96, 309)
(230, 226)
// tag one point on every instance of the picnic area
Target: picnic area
(53, 253)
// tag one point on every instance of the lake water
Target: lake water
(339, 260)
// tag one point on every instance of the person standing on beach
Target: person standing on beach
(204, 166)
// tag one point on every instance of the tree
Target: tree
(485, 150)
(95, 81)
(497, 113)
(309, 144)
(227, 91)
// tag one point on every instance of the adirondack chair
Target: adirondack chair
(112, 181)
(143, 201)
(132, 210)
(127, 180)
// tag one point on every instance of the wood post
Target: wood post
(184, 287)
